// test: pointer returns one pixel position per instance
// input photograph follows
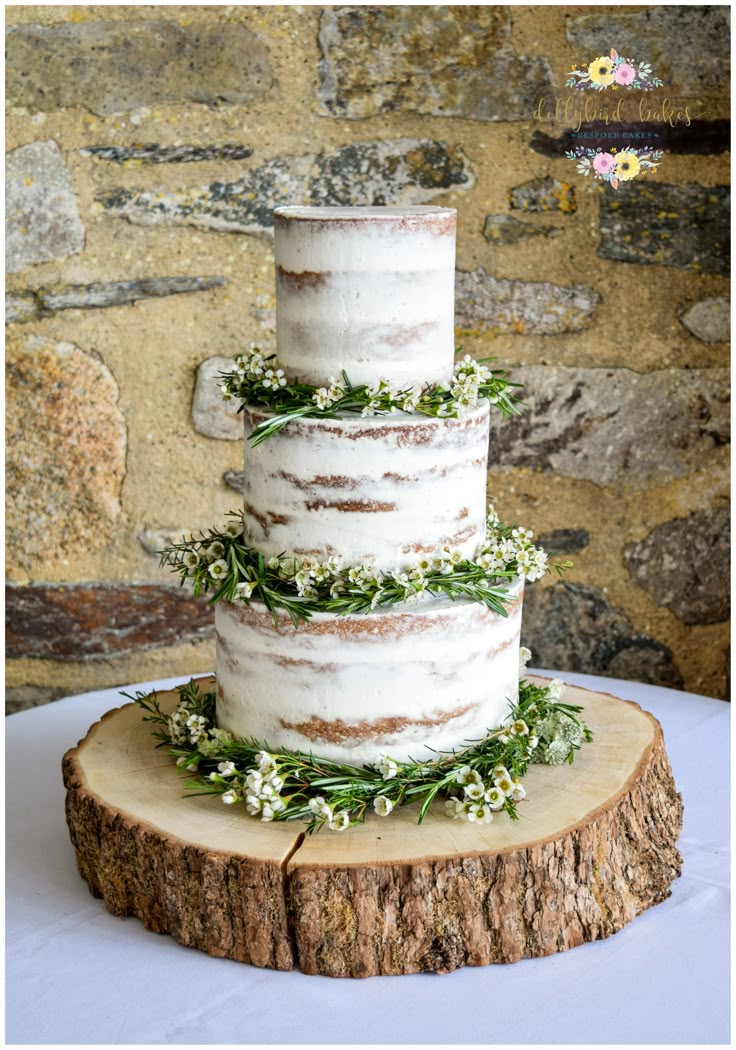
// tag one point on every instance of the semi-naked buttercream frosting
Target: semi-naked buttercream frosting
(392, 682)
(368, 291)
(386, 489)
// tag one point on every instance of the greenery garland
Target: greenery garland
(479, 779)
(221, 563)
(260, 380)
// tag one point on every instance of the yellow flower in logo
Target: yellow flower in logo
(627, 166)
(601, 71)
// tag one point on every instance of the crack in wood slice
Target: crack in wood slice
(595, 847)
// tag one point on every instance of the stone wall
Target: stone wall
(147, 148)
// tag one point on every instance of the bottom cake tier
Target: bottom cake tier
(404, 682)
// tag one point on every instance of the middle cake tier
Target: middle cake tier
(385, 489)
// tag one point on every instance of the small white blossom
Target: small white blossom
(322, 398)
(253, 805)
(244, 590)
(518, 793)
(519, 728)
(555, 689)
(254, 780)
(478, 813)
(266, 763)
(274, 782)
(474, 791)
(273, 378)
(218, 569)
(387, 767)
(215, 550)
(226, 769)
(454, 807)
(495, 798)
(234, 529)
(335, 390)
(525, 656)
(190, 559)
(340, 821)
(467, 775)
(504, 784)
(382, 805)
(197, 726)
(321, 808)
(271, 808)
(229, 797)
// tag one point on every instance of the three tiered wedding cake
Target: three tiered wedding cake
(367, 295)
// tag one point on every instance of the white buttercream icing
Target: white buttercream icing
(386, 488)
(370, 291)
(367, 290)
(353, 688)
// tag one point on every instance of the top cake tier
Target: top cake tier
(366, 290)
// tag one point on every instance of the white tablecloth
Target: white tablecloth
(76, 974)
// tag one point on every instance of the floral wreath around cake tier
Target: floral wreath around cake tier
(260, 380)
(222, 564)
(475, 781)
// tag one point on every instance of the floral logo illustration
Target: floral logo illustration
(613, 72)
(613, 165)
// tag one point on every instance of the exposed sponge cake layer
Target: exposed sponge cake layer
(387, 489)
(367, 290)
(398, 682)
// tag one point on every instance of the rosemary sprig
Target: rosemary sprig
(476, 780)
(220, 564)
(259, 381)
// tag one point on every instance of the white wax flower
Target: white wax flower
(382, 805)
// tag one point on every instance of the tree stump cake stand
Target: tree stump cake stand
(595, 846)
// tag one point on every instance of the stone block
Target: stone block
(23, 697)
(684, 565)
(153, 541)
(211, 415)
(709, 320)
(615, 426)
(446, 61)
(155, 153)
(490, 304)
(683, 226)
(574, 627)
(688, 46)
(505, 229)
(393, 172)
(66, 445)
(43, 302)
(94, 621)
(115, 67)
(564, 541)
(234, 479)
(42, 217)
(544, 194)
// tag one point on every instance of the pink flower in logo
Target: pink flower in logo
(623, 73)
(604, 163)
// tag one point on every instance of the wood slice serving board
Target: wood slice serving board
(594, 847)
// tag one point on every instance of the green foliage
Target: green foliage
(476, 780)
